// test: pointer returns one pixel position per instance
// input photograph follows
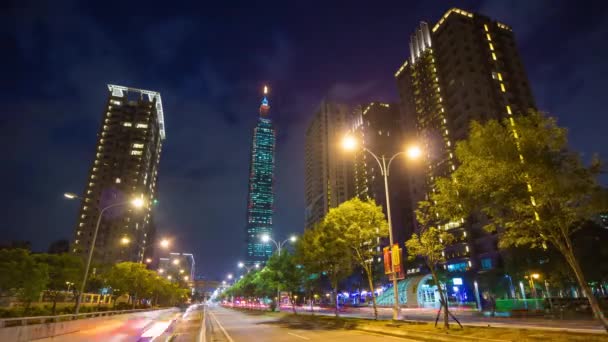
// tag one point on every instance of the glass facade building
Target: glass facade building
(260, 199)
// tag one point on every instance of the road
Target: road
(118, 328)
(221, 325)
(225, 325)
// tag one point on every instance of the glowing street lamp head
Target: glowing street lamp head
(241, 265)
(257, 265)
(70, 195)
(161, 271)
(175, 261)
(169, 277)
(349, 143)
(229, 276)
(223, 282)
(265, 90)
(414, 152)
(265, 238)
(186, 278)
(148, 260)
(181, 271)
(137, 202)
(125, 240)
(535, 275)
(293, 238)
(164, 243)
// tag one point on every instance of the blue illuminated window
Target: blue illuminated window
(486, 263)
(458, 267)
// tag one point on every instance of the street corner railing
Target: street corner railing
(21, 321)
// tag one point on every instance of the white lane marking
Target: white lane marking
(202, 335)
(221, 327)
(300, 336)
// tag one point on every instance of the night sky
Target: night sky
(209, 63)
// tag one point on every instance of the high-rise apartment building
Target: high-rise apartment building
(377, 127)
(328, 169)
(260, 201)
(125, 166)
(466, 67)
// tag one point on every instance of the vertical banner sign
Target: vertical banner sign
(387, 260)
(396, 257)
(397, 253)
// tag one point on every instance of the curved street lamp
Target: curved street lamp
(137, 202)
(248, 268)
(266, 238)
(413, 152)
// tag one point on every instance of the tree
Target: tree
(133, 278)
(429, 244)
(22, 275)
(362, 224)
(62, 268)
(533, 189)
(324, 249)
(285, 274)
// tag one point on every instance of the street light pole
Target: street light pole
(136, 202)
(413, 152)
(384, 169)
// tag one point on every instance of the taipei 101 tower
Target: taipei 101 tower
(260, 199)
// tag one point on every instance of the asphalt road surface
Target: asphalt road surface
(225, 325)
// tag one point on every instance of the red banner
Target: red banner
(387, 260)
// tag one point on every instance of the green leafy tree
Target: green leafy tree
(533, 189)
(324, 249)
(22, 275)
(62, 268)
(285, 274)
(132, 278)
(362, 224)
(429, 244)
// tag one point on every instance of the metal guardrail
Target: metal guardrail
(17, 321)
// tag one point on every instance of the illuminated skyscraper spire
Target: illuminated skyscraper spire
(260, 200)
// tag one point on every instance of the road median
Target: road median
(428, 332)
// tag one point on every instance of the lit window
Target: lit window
(499, 77)
(512, 121)
(127, 124)
(105, 127)
(117, 180)
(485, 27)
(138, 145)
(502, 87)
(81, 224)
(78, 232)
(142, 125)
(135, 153)
(488, 36)
(491, 46)
(115, 102)
(85, 208)
(493, 56)
(91, 184)
(76, 241)
(509, 110)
